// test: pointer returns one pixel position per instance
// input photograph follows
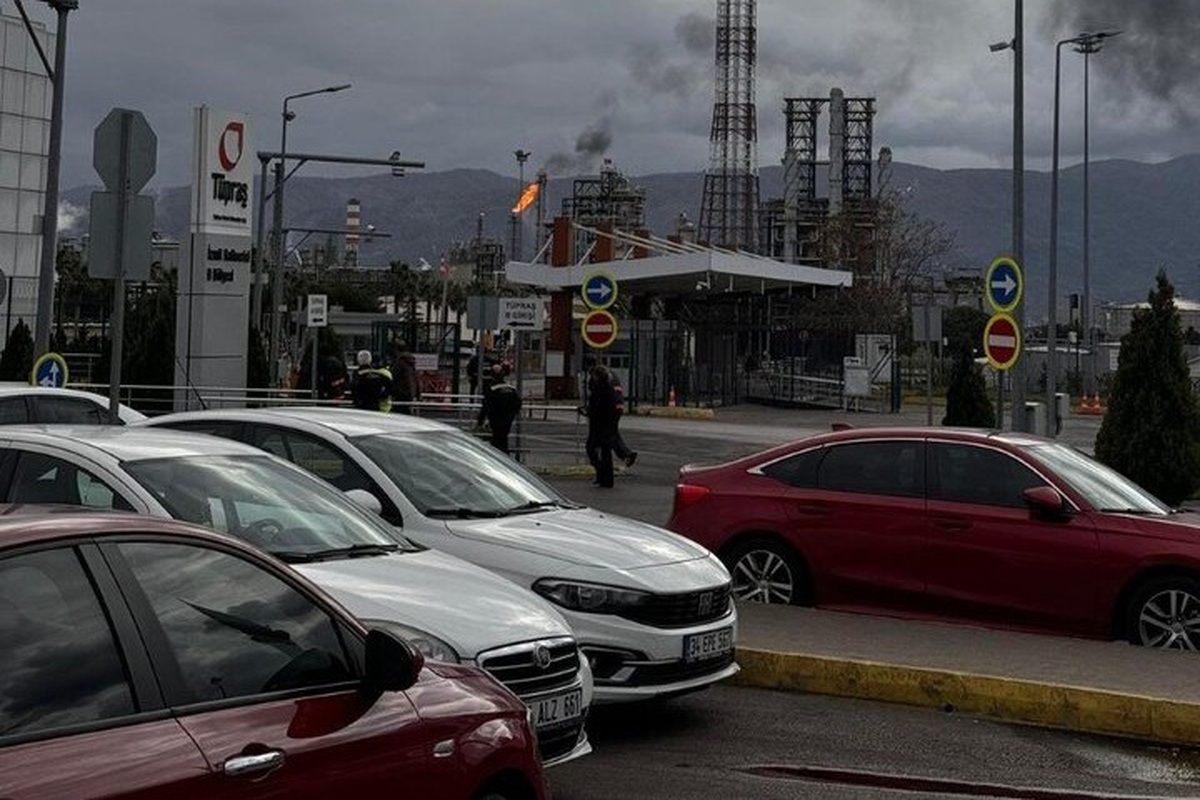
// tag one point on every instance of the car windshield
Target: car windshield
(1104, 488)
(268, 503)
(449, 474)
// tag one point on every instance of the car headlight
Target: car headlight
(595, 598)
(426, 644)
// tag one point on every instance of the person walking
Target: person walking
(601, 411)
(406, 390)
(372, 389)
(501, 404)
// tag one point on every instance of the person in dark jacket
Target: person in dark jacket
(601, 411)
(619, 448)
(501, 404)
(332, 378)
(372, 389)
(405, 388)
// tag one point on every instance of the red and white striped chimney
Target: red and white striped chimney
(353, 231)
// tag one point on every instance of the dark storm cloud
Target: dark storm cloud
(696, 32)
(688, 69)
(1156, 53)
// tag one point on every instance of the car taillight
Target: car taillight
(687, 494)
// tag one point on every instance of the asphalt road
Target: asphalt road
(716, 744)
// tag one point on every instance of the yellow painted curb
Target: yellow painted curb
(1051, 705)
(572, 471)
(676, 412)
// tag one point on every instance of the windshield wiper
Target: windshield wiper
(537, 505)
(352, 551)
(463, 513)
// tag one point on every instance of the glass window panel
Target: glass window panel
(10, 132)
(14, 93)
(10, 169)
(59, 660)
(235, 629)
(8, 219)
(31, 172)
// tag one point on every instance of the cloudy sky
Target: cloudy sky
(463, 83)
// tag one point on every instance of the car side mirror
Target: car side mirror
(392, 663)
(366, 500)
(1046, 500)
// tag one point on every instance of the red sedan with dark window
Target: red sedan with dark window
(149, 658)
(998, 528)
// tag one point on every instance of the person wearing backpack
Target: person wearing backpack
(372, 389)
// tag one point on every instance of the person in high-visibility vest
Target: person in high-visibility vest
(372, 389)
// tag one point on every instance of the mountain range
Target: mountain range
(1143, 217)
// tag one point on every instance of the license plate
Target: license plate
(557, 709)
(701, 646)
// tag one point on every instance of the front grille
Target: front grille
(682, 610)
(658, 674)
(517, 667)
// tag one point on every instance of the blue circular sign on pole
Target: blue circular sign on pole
(599, 290)
(1004, 284)
(50, 371)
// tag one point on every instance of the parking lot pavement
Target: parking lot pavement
(1060, 682)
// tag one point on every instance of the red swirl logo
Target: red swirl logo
(229, 153)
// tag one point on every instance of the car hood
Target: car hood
(469, 608)
(1183, 526)
(584, 536)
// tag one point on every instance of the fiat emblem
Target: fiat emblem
(541, 657)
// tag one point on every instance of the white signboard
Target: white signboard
(521, 313)
(224, 173)
(318, 310)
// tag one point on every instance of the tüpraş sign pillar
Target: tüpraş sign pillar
(213, 298)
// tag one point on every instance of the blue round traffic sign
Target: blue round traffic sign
(50, 370)
(1004, 284)
(599, 290)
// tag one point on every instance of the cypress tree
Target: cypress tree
(17, 359)
(1151, 432)
(967, 402)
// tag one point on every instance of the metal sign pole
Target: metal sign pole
(117, 331)
(520, 389)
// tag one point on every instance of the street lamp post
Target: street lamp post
(1052, 302)
(280, 177)
(45, 302)
(1088, 44)
(1017, 45)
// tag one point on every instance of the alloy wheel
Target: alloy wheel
(1170, 619)
(763, 576)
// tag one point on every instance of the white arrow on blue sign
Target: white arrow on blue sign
(50, 371)
(599, 290)
(1004, 284)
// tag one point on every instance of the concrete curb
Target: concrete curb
(1050, 705)
(572, 471)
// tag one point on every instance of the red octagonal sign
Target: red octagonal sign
(1002, 341)
(599, 329)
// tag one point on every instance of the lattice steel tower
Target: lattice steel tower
(729, 209)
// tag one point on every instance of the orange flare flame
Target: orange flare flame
(527, 197)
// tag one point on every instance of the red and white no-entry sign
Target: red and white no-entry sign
(599, 329)
(1002, 341)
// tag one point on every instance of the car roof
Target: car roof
(347, 421)
(15, 388)
(24, 523)
(127, 442)
(1016, 439)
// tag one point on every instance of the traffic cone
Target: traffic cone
(671, 398)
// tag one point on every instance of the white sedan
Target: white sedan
(651, 609)
(20, 403)
(448, 609)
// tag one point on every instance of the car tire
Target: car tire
(1165, 613)
(767, 571)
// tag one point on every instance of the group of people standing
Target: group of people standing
(385, 388)
(604, 408)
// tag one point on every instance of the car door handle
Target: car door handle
(952, 523)
(250, 764)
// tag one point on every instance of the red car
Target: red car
(149, 658)
(997, 528)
